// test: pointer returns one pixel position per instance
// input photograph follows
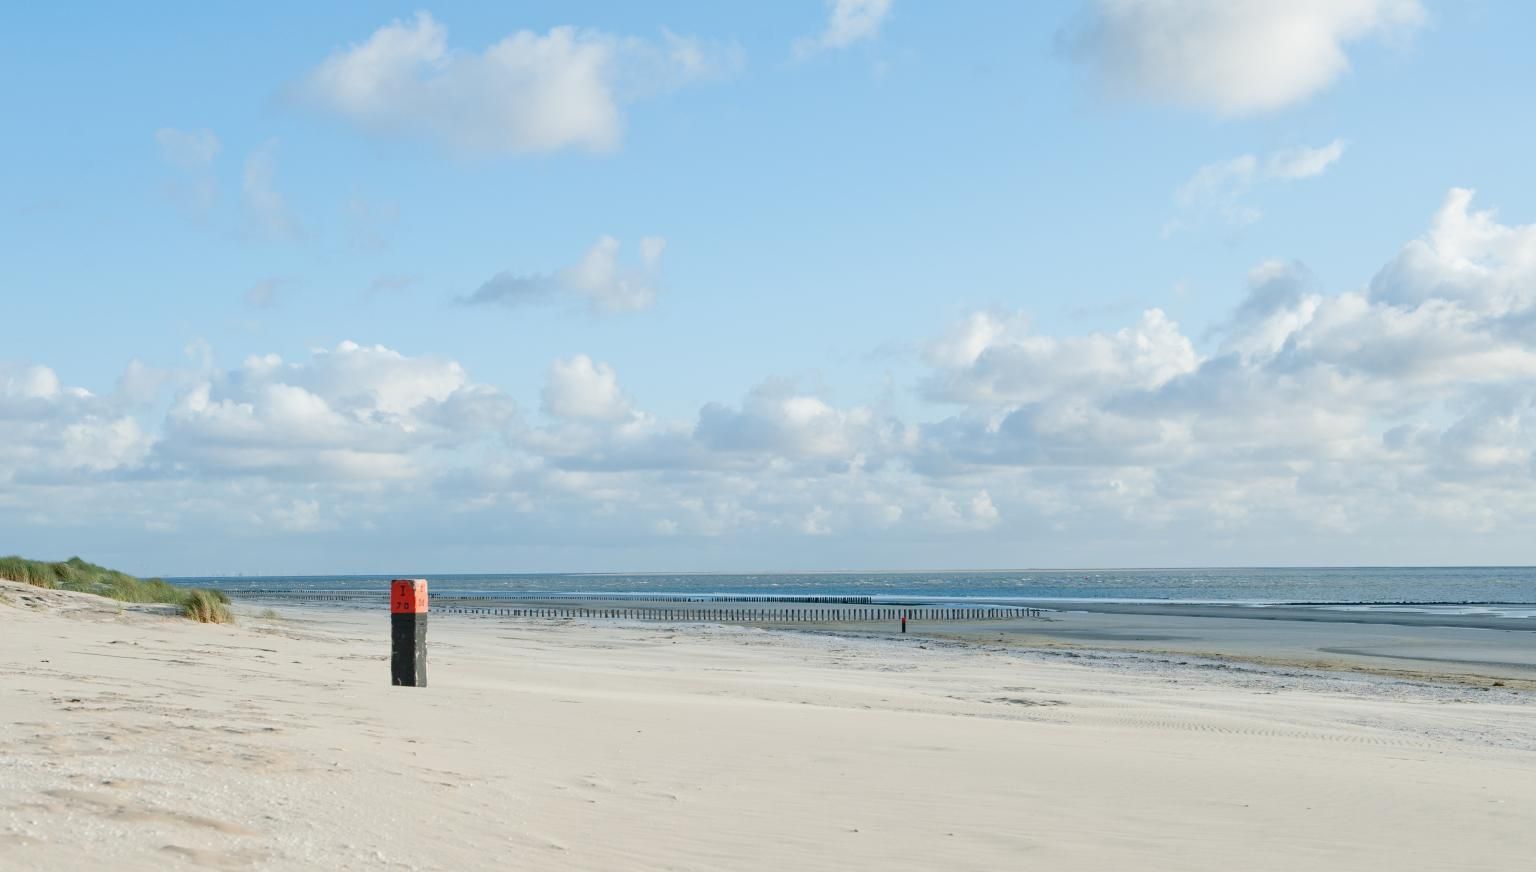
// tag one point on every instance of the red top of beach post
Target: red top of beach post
(408, 596)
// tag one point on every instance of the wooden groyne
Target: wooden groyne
(713, 608)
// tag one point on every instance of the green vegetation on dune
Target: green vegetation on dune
(208, 606)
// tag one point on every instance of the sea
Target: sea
(1338, 586)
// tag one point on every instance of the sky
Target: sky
(855, 284)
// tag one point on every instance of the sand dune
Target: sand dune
(133, 741)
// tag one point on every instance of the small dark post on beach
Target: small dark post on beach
(408, 632)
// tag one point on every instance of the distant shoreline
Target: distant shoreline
(654, 573)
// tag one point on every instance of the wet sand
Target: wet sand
(1435, 644)
(1477, 649)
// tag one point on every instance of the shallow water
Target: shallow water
(1340, 585)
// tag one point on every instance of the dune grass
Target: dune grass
(207, 606)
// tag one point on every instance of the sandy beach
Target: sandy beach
(131, 740)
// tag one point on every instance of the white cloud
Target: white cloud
(610, 288)
(778, 420)
(1424, 385)
(1467, 257)
(583, 389)
(992, 359)
(1302, 162)
(29, 383)
(51, 430)
(353, 412)
(848, 22)
(981, 510)
(1233, 57)
(607, 285)
(1217, 178)
(267, 209)
(1220, 190)
(101, 444)
(1281, 299)
(975, 513)
(526, 93)
(816, 522)
(298, 516)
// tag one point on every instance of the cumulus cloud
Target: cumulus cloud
(352, 412)
(993, 359)
(608, 286)
(52, 430)
(779, 420)
(977, 512)
(1420, 385)
(298, 516)
(1282, 297)
(583, 389)
(816, 522)
(21, 384)
(1220, 191)
(1468, 258)
(528, 92)
(1232, 57)
(777, 424)
(848, 22)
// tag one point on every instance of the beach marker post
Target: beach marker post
(408, 632)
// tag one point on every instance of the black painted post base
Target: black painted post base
(408, 649)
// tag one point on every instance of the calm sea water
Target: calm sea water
(1334, 585)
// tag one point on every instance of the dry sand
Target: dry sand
(133, 741)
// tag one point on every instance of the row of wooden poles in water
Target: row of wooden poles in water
(339, 596)
(846, 609)
(751, 615)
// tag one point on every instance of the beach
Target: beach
(1461, 645)
(141, 741)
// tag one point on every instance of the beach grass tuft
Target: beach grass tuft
(207, 606)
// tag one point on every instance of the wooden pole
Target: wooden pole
(408, 632)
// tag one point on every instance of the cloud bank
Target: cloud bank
(1395, 419)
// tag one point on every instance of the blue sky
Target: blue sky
(769, 286)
